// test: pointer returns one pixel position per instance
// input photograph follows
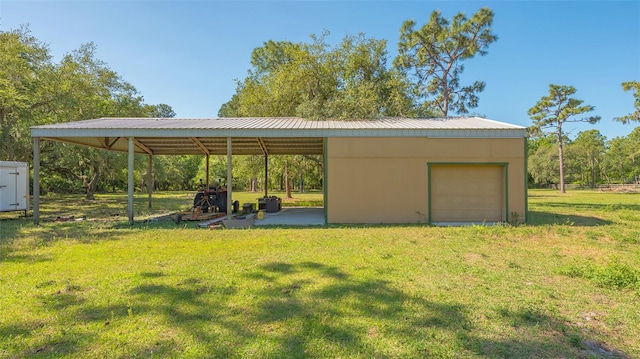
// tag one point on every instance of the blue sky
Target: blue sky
(188, 53)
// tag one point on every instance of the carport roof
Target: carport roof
(283, 135)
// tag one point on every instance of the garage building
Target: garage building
(390, 170)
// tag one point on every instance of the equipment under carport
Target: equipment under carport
(207, 204)
(213, 199)
(270, 204)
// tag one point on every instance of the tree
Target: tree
(250, 167)
(634, 154)
(35, 90)
(543, 159)
(589, 148)
(435, 53)
(26, 78)
(88, 88)
(366, 88)
(230, 108)
(634, 86)
(623, 158)
(317, 81)
(161, 110)
(553, 111)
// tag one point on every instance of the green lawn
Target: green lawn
(565, 285)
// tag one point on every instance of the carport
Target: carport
(169, 136)
(375, 171)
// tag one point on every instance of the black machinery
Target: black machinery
(212, 199)
(270, 204)
(208, 203)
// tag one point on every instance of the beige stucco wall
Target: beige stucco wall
(384, 180)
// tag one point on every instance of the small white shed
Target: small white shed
(14, 186)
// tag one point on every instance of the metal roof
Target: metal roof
(282, 135)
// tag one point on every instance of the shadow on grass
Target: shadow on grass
(540, 218)
(55, 345)
(289, 310)
(47, 234)
(18, 243)
(556, 334)
(6, 256)
(13, 330)
(60, 340)
(605, 207)
(10, 228)
(62, 300)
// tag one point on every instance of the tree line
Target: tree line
(355, 79)
(589, 159)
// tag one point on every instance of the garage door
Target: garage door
(467, 193)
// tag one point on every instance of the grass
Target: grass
(102, 288)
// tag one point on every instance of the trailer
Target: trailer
(14, 186)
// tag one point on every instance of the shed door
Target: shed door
(7, 189)
(22, 187)
(467, 193)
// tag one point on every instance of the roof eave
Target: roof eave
(169, 133)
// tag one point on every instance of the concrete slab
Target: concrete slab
(293, 216)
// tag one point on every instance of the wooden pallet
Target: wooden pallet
(195, 216)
